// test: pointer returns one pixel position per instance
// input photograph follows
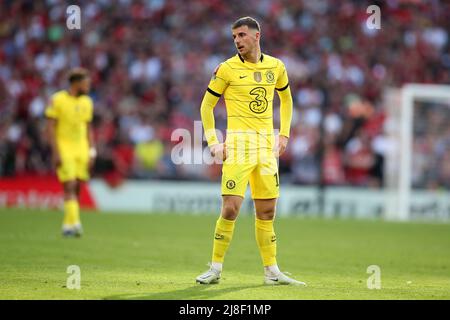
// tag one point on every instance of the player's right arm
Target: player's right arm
(52, 114)
(216, 87)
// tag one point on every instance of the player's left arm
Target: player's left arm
(286, 105)
(90, 136)
(92, 148)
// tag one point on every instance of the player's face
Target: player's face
(245, 39)
(84, 86)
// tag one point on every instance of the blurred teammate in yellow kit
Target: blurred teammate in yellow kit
(69, 115)
(248, 82)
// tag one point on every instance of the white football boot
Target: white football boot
(282, 279)
(69, 231)
(211, 276)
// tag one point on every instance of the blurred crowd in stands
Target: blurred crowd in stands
(151, 61)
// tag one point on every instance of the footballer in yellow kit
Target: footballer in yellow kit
(69, 115)
(248, 91)
(248, 82)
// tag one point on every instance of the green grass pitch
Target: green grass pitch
(138, 256)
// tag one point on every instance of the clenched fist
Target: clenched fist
(219, 151)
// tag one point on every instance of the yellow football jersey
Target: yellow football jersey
(73, 115)
(248, 90)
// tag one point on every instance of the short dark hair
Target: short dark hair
(250, 22)
(77, 74)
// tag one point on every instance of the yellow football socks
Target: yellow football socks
(265, 238)
(222, 238)
(267, 241)
(71, 213)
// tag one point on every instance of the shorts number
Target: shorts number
(277, 184)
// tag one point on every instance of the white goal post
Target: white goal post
(402, 109)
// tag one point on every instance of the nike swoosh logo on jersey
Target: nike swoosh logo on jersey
(242, 77)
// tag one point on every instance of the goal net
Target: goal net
(417, 166)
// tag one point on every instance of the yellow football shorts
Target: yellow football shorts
(74, 166)
(260, 168)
